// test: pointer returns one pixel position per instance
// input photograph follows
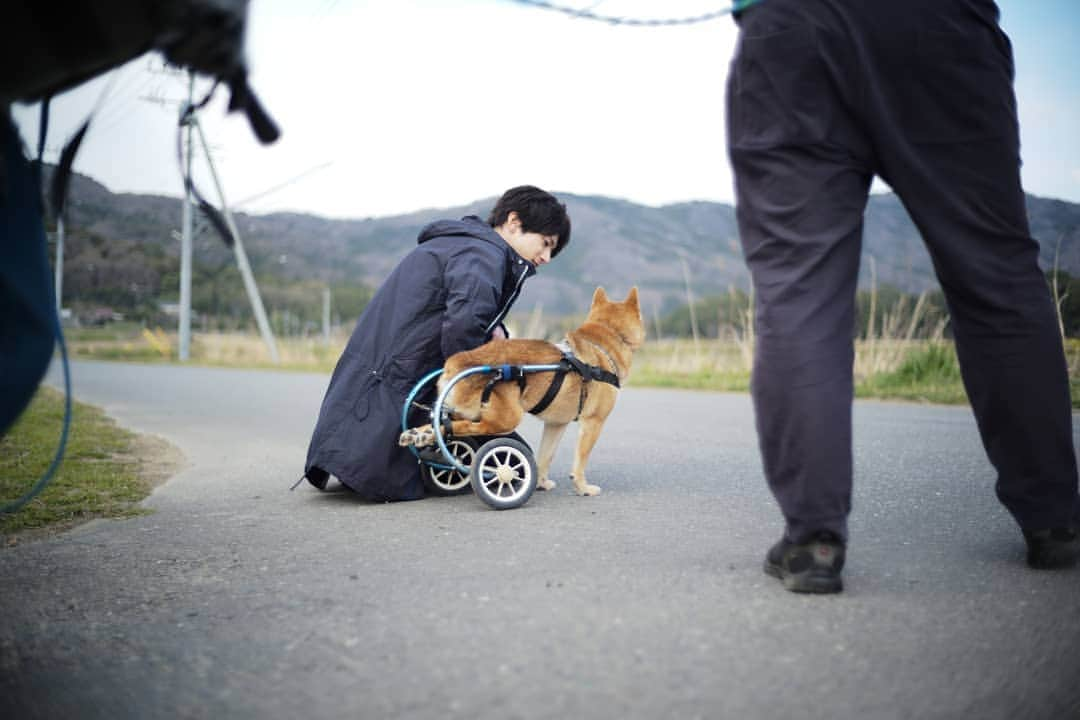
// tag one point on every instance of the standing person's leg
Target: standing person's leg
(803, 254)
(949, 146)
(801, 185)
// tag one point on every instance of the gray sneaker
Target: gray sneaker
(811, 567)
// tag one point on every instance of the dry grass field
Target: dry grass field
(885, 367)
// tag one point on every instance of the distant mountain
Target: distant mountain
(615, 243)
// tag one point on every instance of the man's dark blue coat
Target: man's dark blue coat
(446, 296)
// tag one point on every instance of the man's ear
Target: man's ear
(513, 221)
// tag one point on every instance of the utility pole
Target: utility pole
(186, 240)
(238, 247)
(326, 315)
(186, 235)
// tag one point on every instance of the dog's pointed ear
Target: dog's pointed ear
(599, 296)
(632, 297)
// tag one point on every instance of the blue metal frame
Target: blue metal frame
(409, 401)
(436, 412)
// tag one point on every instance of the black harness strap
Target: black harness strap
(568, 363)
(553, 388)
(587, 372)
(505, 372)
(591, 372)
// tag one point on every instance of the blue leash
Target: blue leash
(58, 458)
(587, 14)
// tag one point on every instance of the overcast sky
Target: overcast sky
(389, 106)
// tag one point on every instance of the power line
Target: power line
(283, 184)
(121, 109)
(588, 14)
(121, 100)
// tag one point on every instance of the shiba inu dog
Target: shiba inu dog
(595, 360)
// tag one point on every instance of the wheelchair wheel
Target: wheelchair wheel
(449, 481)
(503, 474)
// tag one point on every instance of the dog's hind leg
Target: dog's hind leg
(552, 434)
(587, 437)
(501, 415)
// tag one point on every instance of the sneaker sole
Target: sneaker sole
(1052, 553)
(1052, 559)
(806, 582)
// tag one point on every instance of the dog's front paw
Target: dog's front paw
(417, 437)
(583, 488)
(545, 484)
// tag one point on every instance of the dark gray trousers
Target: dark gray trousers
(823, 95)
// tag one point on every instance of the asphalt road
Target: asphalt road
(237, 598)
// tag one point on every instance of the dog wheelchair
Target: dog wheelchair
(500, 469)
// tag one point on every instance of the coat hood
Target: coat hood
(472, 226)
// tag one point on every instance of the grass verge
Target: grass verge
(930, 373)
(724, 381)
(106, 470)
(927, 372)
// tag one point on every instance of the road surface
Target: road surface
(237, 598)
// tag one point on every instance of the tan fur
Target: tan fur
(610, 334)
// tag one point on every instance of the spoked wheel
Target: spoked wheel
(441, 480)
(503, 474)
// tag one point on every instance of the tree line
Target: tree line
(139, 279)
(135, 279)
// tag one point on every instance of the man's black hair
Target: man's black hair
(539, 212)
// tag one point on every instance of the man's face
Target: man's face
(534, 247)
